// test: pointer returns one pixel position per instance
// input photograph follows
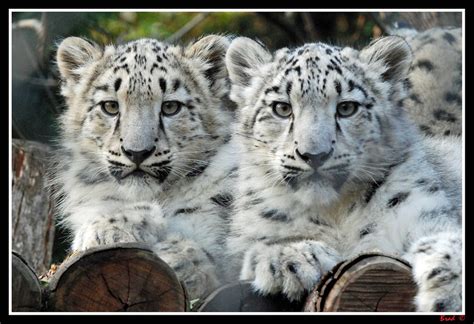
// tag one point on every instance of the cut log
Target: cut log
(240, 297)
(32, 215)
(26, 288)
(368, 283)
(125, 277)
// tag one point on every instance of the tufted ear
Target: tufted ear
(74, 53)
(211, 50)
(392, 52)
(244, 59)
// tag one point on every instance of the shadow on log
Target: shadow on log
(367, 283)
(120, 278)
(240, 297)
(27, 294)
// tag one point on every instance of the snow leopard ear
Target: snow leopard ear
(211, 50)
(74, 53)
(244, 59)
(393, 52)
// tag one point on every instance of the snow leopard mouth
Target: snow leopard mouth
(140, 174)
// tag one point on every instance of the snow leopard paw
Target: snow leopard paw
(135, 223)
(437, 270)
(194, 266)
(291, 269)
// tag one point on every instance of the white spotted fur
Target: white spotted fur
(98, 208)
(286, 232)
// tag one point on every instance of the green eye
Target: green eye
(347, 108)
(282, 109)
(170, 108)
(110, 107)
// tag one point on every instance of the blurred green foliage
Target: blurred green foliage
(276, 29)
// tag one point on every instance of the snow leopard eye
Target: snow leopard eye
(170, 108)
(347, 108)
(282, 109)
(110, 107)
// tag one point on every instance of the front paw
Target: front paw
(193, 266)
(133, 223)
(102, 233)
(437, 270)
(291, 269)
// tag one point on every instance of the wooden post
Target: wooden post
(368, 283)
(240, 297)
(26, 288)
(126, 277)
(32, 215)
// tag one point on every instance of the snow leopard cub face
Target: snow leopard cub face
(319, 117)
(144, 113)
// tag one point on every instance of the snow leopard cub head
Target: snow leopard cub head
(144, 113)
(319, 118)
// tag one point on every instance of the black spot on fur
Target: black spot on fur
(421, 181)
(298, 70)
(337, 84)
(272, 269)
(367, 230)
(224, 199)
(415, 98)
(453, 97)
(185, 211)
(435, 272)
(449, 38)
(426, 129)
(425, 64)
(292, 268)
(117, 84)
(104, 87)
(407, 84)
(443, 115)
(112, 220)
(397, 199)
(197, 171)
(176, 84)
(288, 88)
(142, 207)
(274, 215)
(162, 85)
(377, 184)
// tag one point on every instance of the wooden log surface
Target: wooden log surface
(368, 283)
(32, 214)
(124, 277)
(27, 293)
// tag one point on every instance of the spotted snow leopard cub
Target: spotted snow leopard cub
(434, 82)
(143, 150)
(330, 167)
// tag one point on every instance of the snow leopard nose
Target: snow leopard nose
(137, 157)
(314, 160)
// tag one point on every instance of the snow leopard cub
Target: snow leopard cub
(331, 167)
(434, 82)
(143, 151)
